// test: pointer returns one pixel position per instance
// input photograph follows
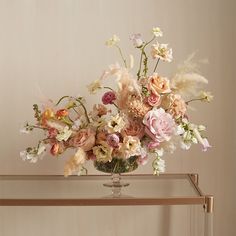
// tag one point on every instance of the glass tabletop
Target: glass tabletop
(165, 189)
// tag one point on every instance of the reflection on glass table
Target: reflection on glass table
(166, 189)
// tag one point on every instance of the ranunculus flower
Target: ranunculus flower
(108, 98)
(134, 128)
(160, 125)
(113, 140)
(158, 85)
(154, 99)
(85, 139)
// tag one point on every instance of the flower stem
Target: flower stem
(59, 101)
(106, 87)
(122, 56)
(195, 99)
(156, 65)
(85, 110)
(145, 59)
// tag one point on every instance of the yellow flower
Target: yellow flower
(115, 124)
(103, 152)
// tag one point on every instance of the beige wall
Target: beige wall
(55, 47)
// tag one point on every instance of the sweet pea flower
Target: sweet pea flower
(137, 40)
(203, 141)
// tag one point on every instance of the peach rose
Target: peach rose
(134, 128)
(158, 85)
(85, 139)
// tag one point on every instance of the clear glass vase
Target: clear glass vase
(116, 167)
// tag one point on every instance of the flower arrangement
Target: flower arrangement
(141, 119)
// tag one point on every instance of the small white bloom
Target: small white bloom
(64, 134)
(160, 152)
(112, 41)
(158, 166)
(157, 32)
(24, 130)
(94, 86)
(179, 130)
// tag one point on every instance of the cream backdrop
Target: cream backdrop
(49, 48)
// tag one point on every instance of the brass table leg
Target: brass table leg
(208, 228)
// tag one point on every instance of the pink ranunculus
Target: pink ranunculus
(154, 99)
(113, 140)
(108, 97)
(160, 125)
(85, 139)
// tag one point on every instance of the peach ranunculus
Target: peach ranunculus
(160, 126)
(158, 85)
(134, 128)
(85, 139)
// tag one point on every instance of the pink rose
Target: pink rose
(85, 139)
(154, 99)
(108, 98)
(160, 125)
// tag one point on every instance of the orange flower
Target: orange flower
(61, 113)
(55, 149)
(46, 115)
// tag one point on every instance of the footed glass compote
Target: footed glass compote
(116, 167)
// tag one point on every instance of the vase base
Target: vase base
(116, 185)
